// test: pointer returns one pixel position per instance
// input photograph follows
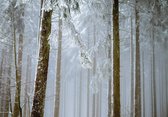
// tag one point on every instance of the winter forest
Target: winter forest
(83, 58)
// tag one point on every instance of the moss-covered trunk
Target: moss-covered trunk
(116, 60)
(42, 71)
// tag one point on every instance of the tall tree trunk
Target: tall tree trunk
(17, 108)
(58, 75)
(1, 87)
(26, 110)
(132, 71)
(154, 78)
(42, 71)
(94, 73)
(143, 73)
(137, 68)
(109, 83)
(151, 82)
(80, 94)
(8, 82)
(88, 82)
(88, 94)
(109, 56)
(116, 60)
(166, 67)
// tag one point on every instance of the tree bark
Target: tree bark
(42, 71)
(137, 67)
(116, 60)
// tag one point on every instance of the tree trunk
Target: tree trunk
(132, 71)
(8, 82)
(27, 88)
(1, 85)
(109, 56)
(143, 73)
(17, 108)
(137, 68)
(94, 73)
(154, 78)
(42, 71)
(166, 67)
(88, 82)
(110, 80)
(116, 60)
(58, 75)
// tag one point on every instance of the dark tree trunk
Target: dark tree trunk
(42, 71)
(137, 67)
(116, 60)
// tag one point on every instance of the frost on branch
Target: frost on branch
(47, 5)
(85, 59)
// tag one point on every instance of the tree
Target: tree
(26, 110)
(137, 66)
(18, 24)
(154, 77)
(94, 73)
(8, 104)
(1, 87)
(143, 76)
(155, 21)
(116, 60)
(58, 75)
(42, 71)
(132, 71)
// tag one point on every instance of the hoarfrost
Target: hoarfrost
(85, 59)
(84, 56)
(47, 5)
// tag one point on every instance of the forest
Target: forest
(83, 58)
